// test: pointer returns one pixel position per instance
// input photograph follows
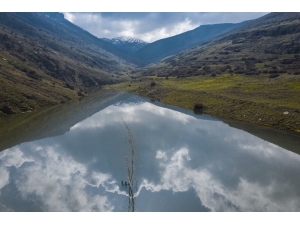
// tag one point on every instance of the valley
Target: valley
(250, 75)
(207, 120)
(246, 72)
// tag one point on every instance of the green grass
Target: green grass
(241, 89)
(253, 99)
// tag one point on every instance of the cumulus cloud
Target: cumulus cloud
(4, 177)
(15, 157)
(178, 176)
(130, 114)
(60, 182)
(228, 169)
(150, 26)
(57, 180)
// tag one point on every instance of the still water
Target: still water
(182, 162)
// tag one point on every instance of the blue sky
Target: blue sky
(151, 26)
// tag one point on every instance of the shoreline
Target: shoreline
(221, 102)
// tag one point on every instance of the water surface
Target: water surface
(182, 161)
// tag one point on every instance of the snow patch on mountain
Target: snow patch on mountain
(128, 44)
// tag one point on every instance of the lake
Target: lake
(78, 158)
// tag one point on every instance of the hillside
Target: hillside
(168, 46)
(45, 60)
(268, 45)
(250, 74)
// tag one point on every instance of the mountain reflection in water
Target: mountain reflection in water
(183, 162)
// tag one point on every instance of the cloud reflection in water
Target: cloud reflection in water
(225, 168)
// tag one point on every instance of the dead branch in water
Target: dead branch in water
(130, 168)
(131, 142)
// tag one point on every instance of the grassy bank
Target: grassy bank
(272, 102)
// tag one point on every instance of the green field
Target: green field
(254, 99)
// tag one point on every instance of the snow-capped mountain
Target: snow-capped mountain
(128, 44)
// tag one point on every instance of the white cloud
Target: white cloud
(4, 177)
(58, 181)
(14, 157)
(150, 26)
(246, 196)
(161, 155)
(130, 114)
(223, 170)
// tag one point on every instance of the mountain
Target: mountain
(56, 25)
(169, 46)
(127, 44)
(267, 45)
(45, 59)
(251, 74)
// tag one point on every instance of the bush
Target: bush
(198, 106)
(274, 71)
(274, 75)
(70, 86)
(80, 94)
(32, 74)
(152, 84)
(7, 110)
(206, 68)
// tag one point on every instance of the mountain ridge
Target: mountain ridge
(127, 44)
(46, 60)
(250, 74)
(162, 48)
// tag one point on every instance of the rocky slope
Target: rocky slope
(169, 46)
(251, 74)
(45, 59)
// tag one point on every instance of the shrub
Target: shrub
(274, 75)
(32, 74)
(206, 68)
(70, 86)
(7, 110)
(287, 61)
(273, 71)
(152, 84)
(80, 94)
(198, 106)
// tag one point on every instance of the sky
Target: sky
(144, 20)
(151, 26)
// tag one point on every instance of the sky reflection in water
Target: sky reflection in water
(182, 163)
